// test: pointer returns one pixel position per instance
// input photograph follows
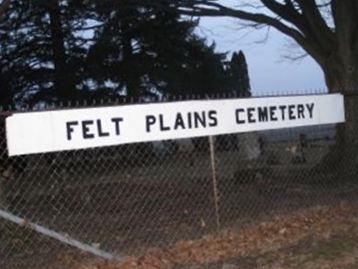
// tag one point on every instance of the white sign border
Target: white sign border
(43, 131)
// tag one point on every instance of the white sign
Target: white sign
(37, 132)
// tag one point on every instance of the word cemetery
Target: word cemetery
(274, 113)
(49, 131)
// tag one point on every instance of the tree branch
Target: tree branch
(287, 12)
(297, 31)
(316, 22)
(213, 9)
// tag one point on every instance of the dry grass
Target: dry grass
(316, 238)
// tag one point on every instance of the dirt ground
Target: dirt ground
(319, 237)
(322, 237)
(274, 209)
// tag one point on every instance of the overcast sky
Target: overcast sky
(269, 71)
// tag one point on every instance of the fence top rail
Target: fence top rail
(7, 110)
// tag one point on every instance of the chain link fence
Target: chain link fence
(122, 200)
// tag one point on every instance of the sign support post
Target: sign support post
(215, 182)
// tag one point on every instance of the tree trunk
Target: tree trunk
(347, 135)
(6, 95)
(131, 79)
(342, 160)
(130, 75)
(62, 76)
(341, 69)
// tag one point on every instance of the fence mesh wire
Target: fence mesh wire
(129, 198)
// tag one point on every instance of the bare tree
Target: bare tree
(326, 29)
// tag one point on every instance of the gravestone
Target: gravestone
(250, 146)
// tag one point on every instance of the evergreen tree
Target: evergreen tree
(54, 50)
(239, 75)
(147, 48)
(40, 53)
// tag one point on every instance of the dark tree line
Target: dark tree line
(52, 50)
